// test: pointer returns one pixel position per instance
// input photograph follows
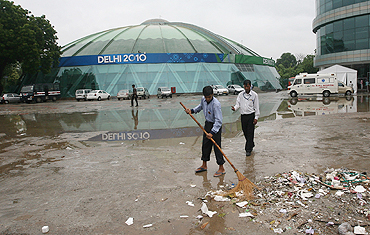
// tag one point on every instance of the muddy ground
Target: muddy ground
(78, 186)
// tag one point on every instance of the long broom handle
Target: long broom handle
(214, 142)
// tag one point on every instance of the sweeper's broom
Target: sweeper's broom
(244, 184)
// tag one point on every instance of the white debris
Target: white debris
(359, 230)
(242, 204)
(129, 221)
(45, 229)
(184, 216)
(193, 185)
(221, 199)
(246, 214)
(190, 203)
(182, 143)
(359, 189)
(205, 210)
(339, 193)
(147, 225)
(278, 230)
(199, 217)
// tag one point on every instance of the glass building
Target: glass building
(342, 30)
(154, 54)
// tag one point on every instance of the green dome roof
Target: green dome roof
(155, 36)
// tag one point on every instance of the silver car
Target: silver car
(81, 94)
(234, 89)
(219, 90)
(123, 94)
(10, 98)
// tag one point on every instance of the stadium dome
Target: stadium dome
(159, 53)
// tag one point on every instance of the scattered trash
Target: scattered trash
(306, 203)
(193, 185)
(189, 203)
(182, 143)
(204, 225)
(359, 230)
(344, 228)
(184, 216)
(147, 225)
(246, 214)
(45, 229)
(242, 204)
(69, 148)
(199, 217)
(130, 221)
(205, 210)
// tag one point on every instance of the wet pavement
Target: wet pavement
(86, 167)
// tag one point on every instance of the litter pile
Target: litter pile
(333, 203)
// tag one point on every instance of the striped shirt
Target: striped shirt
(212, 113)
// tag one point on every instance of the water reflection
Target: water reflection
(170, 122)
(322, 106)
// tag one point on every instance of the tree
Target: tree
(25, 39)
(287, 59)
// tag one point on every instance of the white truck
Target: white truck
(310, 84)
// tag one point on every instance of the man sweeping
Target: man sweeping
(247, 101)
(212, 111)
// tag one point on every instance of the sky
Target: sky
(268, 27)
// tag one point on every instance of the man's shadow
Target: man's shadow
(207, 183)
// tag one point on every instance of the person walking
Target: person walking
(248, 103)
(134, 96)
(212, 111)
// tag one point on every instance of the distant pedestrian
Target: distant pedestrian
(134, 96)
(248, 103)
(212, 111)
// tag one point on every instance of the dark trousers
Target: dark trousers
(248, 130)
(207, 145)
(132, 100)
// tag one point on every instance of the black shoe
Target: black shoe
(136, 105)
(248, 153)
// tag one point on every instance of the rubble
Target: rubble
(334, 202)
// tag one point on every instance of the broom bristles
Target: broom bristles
(245, 185)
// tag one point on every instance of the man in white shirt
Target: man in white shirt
(248, 103)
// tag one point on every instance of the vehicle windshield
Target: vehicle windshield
(79, 92)
(237, 86)
(165, 89)
(140, 89)
(27, 89)
(219, 87)
(123, 91)
(93, 92)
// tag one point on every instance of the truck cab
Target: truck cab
(40, 92)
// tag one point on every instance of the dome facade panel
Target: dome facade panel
(74, 47)
(150, 40)
(124, 42)
(200, 43)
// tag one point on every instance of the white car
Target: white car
(164, 92)
(123, 94)
(219, 90)
(98, 95)
(81, 94)
(235, 89)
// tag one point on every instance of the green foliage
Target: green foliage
(26, 39)
(287, 66)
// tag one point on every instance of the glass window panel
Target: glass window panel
(329, 28)
(338, 26)
(349, 23)
(328, 6)
(348, 2)
(69, 51)
(362, 32)
(362, 44)
(337, 4)
(349, 35)
(338, 35)
(349, 45)
(362, 21)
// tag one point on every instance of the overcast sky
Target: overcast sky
(268, 27)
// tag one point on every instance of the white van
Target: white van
(309, 84)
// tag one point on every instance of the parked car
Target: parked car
(98, 95)
(219, 90)
(40, 92)
(343, 89)
(142, 92)
(10, 98)
(81, 94)
(123, 94)
(164, 92)
(234, 89)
